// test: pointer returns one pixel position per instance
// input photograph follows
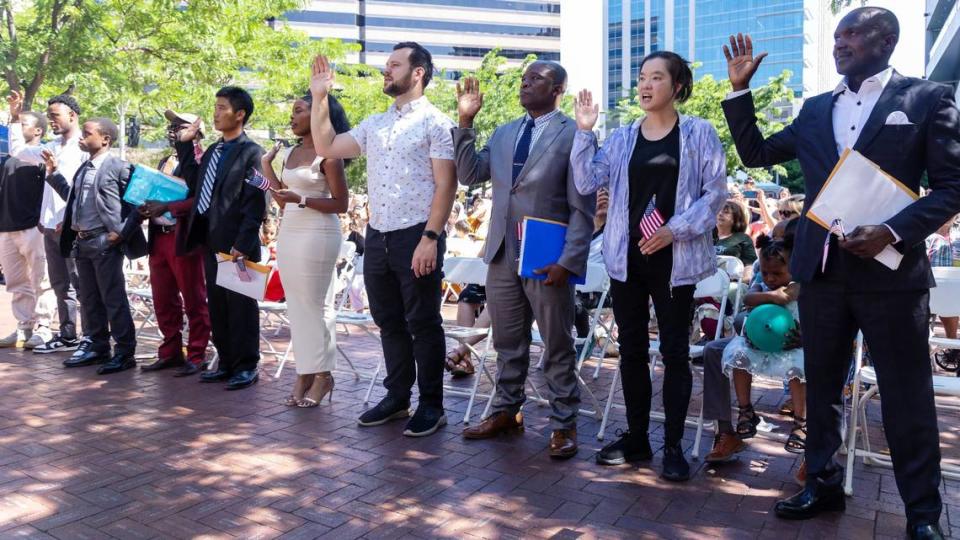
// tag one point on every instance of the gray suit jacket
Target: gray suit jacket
(116, 214)
(544, 188)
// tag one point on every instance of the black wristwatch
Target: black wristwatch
(431, 235)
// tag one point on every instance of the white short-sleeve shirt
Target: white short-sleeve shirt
(399, 145)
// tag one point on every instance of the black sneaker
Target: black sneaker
(627, 449)
(388, 409)
(426, 421)
(675, 466)
(57, 344)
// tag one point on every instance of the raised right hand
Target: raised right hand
(189, 131)
(15, 101)
(321, 77)
(49, 161)
(272, 154)
(741, 64)
(469, 100)
(586, 110)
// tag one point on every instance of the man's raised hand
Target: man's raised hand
(189, 131)
(469, 101)
(586, 110)
(741, 64)
(321, 77)
(15, 102)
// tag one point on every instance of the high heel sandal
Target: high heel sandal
(292, 400)
(326, 383)
(747, 422)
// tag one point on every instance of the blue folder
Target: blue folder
(541, 245)
(150, 184)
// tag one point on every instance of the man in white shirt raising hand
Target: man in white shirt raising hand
(411, 182)
(63, 115)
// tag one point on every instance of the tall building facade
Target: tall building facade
(943, 41)
(458, 33)
(788, 30)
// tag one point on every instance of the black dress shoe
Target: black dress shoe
(214, 376)
(87, 358)
(119, 362)
(186, 369)
(163, 363)
(243, 379)
(925, 532)
(815, 498)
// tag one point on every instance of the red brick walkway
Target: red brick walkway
(137, 455)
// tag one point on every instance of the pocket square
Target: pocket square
(898, 118)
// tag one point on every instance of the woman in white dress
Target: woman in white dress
(312, 191)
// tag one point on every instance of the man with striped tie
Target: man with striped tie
(226, 218)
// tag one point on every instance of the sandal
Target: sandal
(797, 442)
(463, 368)
(747, 422)
(452, 360)
(307, 403)
(291, 401)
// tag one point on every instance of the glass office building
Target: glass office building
(458, 33)
(943, 42)
(697, 29)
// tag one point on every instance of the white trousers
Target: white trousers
(24, 264)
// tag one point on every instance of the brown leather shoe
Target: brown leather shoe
(725, 448)
(495, 424)
(563, 443)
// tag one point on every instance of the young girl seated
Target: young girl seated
(736, 358)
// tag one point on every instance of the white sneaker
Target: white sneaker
(11, 340)
(39, 337)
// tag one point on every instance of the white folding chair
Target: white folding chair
(716, 285)
(944, 301)
(363, 321)
(734, 269)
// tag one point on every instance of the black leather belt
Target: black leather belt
(83, 235)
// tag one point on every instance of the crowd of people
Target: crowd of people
(651, 203)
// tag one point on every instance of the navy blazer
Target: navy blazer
(930, 144)
(116, 214)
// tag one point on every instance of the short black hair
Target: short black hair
(107, 128)
(679, 70)
(239, 99)
(419, 57)
(39, 120)
(557, 71)
(886, 18)
(67, 100)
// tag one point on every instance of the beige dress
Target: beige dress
(308, 245)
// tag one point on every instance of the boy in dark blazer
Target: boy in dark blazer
(226, 218)
(99, 228)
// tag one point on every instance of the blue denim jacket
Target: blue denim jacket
(701, 191)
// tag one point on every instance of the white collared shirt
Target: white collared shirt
(399, 145)
(852, 109)
(69, 158)
(539, 124)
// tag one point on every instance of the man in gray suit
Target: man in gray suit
(99, 229)
(527, 161)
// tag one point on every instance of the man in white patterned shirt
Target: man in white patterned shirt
(411, 183)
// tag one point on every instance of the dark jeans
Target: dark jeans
(234, 323)
(894, 325)
(650, 277)
(103, 295)
(64, 281)
(407, 310)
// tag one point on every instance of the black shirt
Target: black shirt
(21, 194)
(654, 169)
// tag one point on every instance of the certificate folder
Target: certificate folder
(541, 245)
(252, 284)
(148, 184)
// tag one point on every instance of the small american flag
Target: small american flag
(258, 180)
(652, 220)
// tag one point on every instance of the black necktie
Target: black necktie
(523, 149)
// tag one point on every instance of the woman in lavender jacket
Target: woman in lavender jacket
(666, 174)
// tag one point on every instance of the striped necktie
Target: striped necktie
(206, 191)
(522, 151)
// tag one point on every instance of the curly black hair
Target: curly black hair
(67, 100)
(771, 249)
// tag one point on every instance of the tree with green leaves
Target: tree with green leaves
(771, 101)
(836, 6)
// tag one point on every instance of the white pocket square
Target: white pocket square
(898, 118)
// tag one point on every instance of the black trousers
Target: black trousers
(894, 325)
(103, 295)
(234, 323)
(649, 277)
(407, 310)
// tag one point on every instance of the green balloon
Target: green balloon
(767, 327)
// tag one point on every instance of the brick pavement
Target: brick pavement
(137, 455)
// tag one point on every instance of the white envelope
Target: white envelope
(859, 192)
(228, 277)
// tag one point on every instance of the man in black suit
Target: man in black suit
(226, 218)
(99, 228)
(907, 127)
